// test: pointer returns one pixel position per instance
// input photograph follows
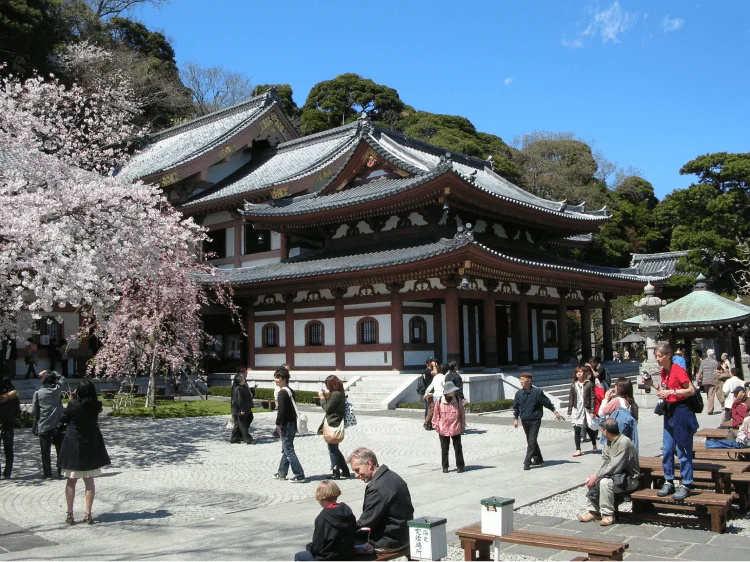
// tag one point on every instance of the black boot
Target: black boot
(336, 473)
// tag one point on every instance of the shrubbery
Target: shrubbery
(471, 408)
(302, 396)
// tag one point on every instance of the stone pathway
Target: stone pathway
(177, 490)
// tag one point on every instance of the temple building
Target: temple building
(360, 248)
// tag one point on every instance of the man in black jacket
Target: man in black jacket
(528, 405)
(387, 506)
(426, 380)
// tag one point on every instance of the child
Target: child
(335, 527)
(449, 419)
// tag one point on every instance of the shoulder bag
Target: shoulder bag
(349, 417)
(332, 435)
(301, 418)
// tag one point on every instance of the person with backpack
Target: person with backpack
(620, 405)
(286, 428)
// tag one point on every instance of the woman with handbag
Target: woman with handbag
(680, 423)
(449, 420)
(82, 453)
(242, 410)
(47, 407)
(333, 402)
(581, 400)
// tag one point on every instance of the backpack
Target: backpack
(421, 387)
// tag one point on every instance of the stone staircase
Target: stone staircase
(559, 387)
(26, 388)
(371, 391)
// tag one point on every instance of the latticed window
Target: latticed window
(417, 330)
(49, 329)
(368, 331)
(270, 335)
(314, 333)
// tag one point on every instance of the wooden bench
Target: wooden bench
(718, 433)
(268, 404)
(741, 483)
(476, 545)
(721, 454)
(389, 555)
(711, 509)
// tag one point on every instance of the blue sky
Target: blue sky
(652, 84)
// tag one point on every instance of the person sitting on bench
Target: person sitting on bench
(620, 472)
(387, 505)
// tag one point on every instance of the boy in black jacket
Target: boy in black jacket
(335, 527)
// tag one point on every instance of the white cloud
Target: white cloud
(508, 81)
(671, 24)
(573, 43)
(608, 23)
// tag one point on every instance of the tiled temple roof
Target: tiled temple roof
(303, 157)
(663, 263)
(287, 162)
(325, 262)
(183, 143)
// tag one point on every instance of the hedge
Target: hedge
(302, 396)
(471, 408)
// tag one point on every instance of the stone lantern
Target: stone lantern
(650, 325)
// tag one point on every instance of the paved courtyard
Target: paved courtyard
(177, 490)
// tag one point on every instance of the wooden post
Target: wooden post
(607, 327)
(289, 328)
(586, 325)
(250, 329)
(737, 352)
(397, 327)
(490, 325)
(338, 294)
(284, 246)
(452, 322)
(238, 227)
(563, 347)
(524, 347)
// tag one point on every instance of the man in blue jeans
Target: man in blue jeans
(286, 428)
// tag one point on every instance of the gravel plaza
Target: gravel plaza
(177, 490)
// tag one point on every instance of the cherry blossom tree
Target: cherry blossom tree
(117, 252)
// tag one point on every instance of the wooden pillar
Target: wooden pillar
(607, 327)
(250, 329)
(338, 294)
(689, 356)
(397, 327)
(471, 332)
(673, 339)
(452, 323)
(524, 346)
(289, 328)
(563, 353)
(490, 325)
(437, 322)
(586, 325)
(737, 352)
(284, 246)
(238, 226)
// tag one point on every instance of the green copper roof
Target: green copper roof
(699, 308)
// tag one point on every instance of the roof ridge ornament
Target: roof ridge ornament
(364, 124)
(446, 162)
(464, 235)
(701, 283)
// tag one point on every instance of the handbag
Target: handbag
(301, 418)
(333, 435)
(659, 410)
(230, 423)
(695, 403)
(349, 417)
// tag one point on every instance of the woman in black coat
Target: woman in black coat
(242, 410)
(333, 403)
(82, 453)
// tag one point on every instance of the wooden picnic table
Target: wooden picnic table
(709, 433)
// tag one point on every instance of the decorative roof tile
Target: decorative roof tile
(183, 143)
(699, 308)
(325, 262)
(664, 263)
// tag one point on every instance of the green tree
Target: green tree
(286, 95)
(631, 229)
(710, 217)
(558, 166)
(136, 36)
(333, 103)
(31, 31)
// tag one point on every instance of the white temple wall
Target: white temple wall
(216, 218)
(269, 359)
(314, 360)
(367, 358)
